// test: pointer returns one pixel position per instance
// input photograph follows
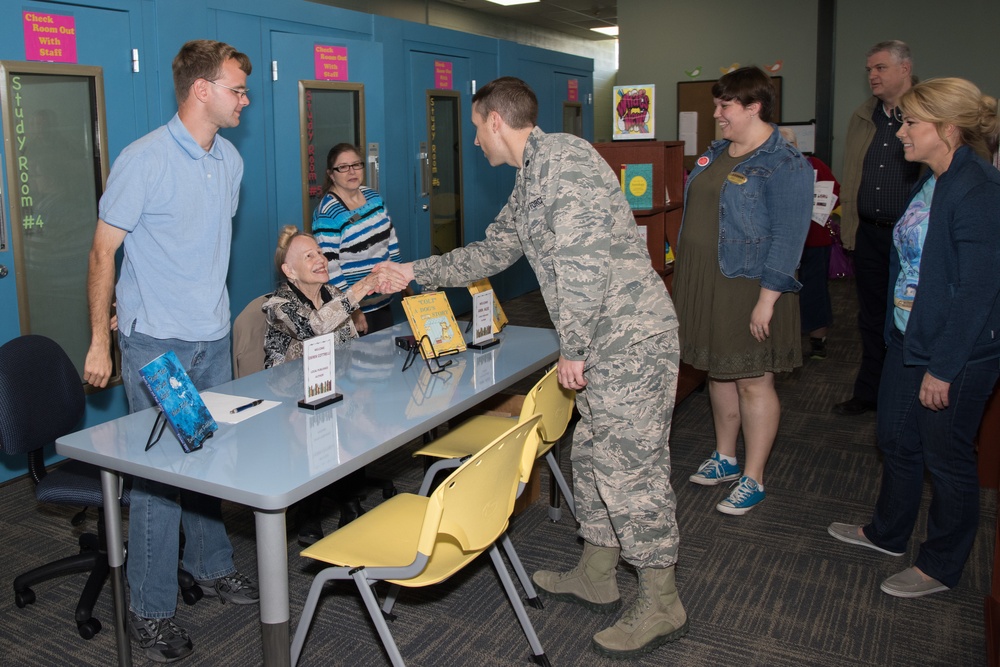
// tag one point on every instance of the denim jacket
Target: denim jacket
(763, 221)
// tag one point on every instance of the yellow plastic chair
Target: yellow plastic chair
(554, 404)
(413, 541)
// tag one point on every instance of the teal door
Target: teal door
(103, 40)
(440, 96)
(311, 115)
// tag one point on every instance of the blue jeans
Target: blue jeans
(912, 439)
(157, 510)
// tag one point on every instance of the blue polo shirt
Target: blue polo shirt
(176, 202)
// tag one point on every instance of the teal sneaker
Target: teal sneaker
(715, 471)
(745, 496)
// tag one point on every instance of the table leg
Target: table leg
(110, 485)
(272, 573)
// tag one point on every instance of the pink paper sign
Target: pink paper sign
(573, 90)
(443, 79)
(49, 37)
(331, 62)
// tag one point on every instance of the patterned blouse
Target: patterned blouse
(292, 318)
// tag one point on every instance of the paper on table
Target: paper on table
(220, 406)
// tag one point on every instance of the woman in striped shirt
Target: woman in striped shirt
(355, 233)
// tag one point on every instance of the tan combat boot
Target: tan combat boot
(590, 584)
(656, 618)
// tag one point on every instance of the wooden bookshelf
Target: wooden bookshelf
(663, 220)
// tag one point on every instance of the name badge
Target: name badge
(738, 179)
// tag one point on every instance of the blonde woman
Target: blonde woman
(943, 349)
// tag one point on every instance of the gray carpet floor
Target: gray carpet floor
(770, 588)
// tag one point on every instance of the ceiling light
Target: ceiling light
(611, 30)
(508, 3)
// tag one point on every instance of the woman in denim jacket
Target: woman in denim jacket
(942, 335)
(747, 207)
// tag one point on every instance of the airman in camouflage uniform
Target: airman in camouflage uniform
(618, 349)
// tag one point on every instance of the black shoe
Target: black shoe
(349, 511)
(310, 532)
(161, 639)
(236, 588)
(853, 407)
(818, 348)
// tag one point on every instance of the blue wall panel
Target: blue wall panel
(140, 102)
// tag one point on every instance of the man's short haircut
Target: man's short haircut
(203, 59)
(511, 98)
(900, 51)
(747, 85)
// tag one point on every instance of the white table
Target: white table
(276, 458)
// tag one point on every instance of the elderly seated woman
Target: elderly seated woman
(302, 307)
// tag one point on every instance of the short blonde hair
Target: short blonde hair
(285, 236)
(954, 101)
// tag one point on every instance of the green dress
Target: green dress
(713, 310)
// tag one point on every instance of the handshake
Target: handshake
(388, 278)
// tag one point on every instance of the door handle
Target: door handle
(373, 166)
(423, 157)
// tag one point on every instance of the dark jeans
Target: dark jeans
(872, 251)
(912, 439)
(815, 308)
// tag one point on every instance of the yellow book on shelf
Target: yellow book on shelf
(499, 317)
(430, 315)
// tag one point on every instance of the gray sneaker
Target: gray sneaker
(236, 588)
(161, 639)
(848, 532)
(909, 584)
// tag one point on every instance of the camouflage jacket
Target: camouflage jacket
(568, 216)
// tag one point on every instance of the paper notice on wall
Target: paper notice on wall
(687, 131)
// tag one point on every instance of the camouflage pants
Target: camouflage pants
(621, 453)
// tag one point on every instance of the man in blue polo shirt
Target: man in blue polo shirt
(170, 200)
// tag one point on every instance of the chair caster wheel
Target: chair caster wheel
(192, 595)
(23, 598)
(89, 628)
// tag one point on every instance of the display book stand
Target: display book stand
(179, 403)
(436, 334)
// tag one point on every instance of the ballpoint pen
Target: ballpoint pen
(247, 406)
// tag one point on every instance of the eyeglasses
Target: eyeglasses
(344, 168)
(242, 93)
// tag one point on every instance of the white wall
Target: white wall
(660, 39)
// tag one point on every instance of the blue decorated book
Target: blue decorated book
(180, 402)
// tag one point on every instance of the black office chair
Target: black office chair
(41, 399)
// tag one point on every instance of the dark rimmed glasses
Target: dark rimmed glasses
(344, 168)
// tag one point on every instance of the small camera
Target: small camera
(406, 342)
